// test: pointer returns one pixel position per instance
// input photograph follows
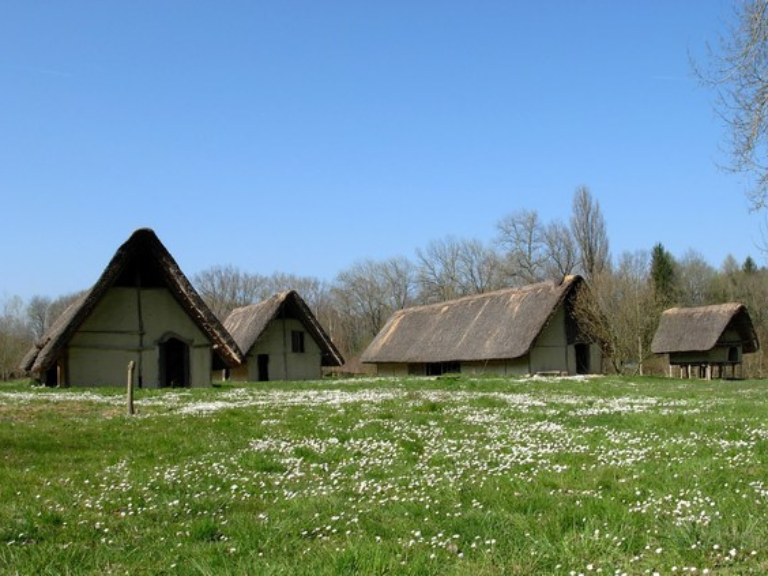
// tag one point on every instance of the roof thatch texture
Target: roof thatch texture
(699, 329)
(143, 251)
(497, 325)
(247, 324)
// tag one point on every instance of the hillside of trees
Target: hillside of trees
(627, 292)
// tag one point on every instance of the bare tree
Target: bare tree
(730, 267)
(438, 270)
(224, 288)
(399, 275)
(450, 268)
(479, 267)
(312, 290)
(37, 315)
(368, 292)
(15, 337)
(620, 312)
(562, 256)
(60, 304)
(42, 311)
(737, 69)
(696, 279)
(523, 237)
(588, 228)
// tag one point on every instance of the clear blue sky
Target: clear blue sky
(300, 136)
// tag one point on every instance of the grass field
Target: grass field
(449, 476)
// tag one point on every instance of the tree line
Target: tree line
(620, 310)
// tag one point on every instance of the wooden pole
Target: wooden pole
(131, 366)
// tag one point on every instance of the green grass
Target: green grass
(414, 476)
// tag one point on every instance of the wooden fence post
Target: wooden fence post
(131, 366)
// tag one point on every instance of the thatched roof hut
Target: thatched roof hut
(261, 331)
(248, 323)
(491, 329)
(702, 328)
(141, 263)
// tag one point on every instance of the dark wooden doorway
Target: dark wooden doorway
(174, 363)
(52, 376)
(582, 358)
(262, 362)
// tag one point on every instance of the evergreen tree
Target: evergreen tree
(749, 266)
(663, 277)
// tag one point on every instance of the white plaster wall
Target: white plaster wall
(109, 338)
(283, 363)
(550, 351)
(595, 359)
(515, 367)
(392, 370)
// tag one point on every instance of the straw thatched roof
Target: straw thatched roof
(247, 323)
(141, 256)
(699, 329)
(497, 325)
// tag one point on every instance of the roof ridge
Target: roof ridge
(479, 296)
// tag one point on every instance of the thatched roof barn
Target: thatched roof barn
(272, 336)
(142, 308)
(513, 331)
(706, 336)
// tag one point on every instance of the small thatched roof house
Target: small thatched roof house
(273, 336)
(706, 336)
(144, 309)
(513, 331)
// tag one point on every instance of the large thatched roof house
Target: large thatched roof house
(526, 330)
(705, 337)
(144, 309)
(281, 339)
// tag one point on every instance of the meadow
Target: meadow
(601, 475)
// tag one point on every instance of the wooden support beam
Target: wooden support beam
(129, 385)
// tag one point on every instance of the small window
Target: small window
(297, 341)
